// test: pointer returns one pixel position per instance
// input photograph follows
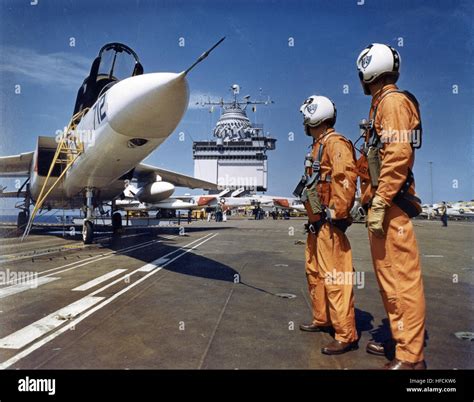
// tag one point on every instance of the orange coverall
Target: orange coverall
(329, 251)
(395, 256)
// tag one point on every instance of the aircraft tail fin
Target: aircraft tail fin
(224, 192)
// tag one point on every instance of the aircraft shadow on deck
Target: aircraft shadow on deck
(200, 266)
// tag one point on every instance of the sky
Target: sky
(47, 49)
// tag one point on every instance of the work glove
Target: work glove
(376, 216)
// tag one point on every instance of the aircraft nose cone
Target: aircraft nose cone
(149, 105)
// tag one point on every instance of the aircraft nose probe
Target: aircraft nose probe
(203, 56)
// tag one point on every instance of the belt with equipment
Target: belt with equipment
(315, 227)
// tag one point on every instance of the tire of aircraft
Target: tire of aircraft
(22, 220)
(87, 232)
(116, 221)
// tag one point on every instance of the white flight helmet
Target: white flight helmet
(317, 109)
(375, 61)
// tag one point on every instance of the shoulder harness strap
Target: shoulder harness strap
(374, 139)
(317, 163)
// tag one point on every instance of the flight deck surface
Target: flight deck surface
(218, 295)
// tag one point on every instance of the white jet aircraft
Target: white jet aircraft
(145, 199)
(120, 117)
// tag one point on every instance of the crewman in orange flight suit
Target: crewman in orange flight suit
(388, 191)
(328, 192)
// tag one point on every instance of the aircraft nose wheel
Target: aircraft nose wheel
(22, 220)
(116, 222)
(87, 232)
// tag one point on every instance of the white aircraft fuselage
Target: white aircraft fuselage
(121, 129)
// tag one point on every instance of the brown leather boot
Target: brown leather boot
(396, 364)
(338, 348)
(375, 348)
(315, 328)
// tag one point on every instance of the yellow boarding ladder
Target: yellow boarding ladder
(69, 148)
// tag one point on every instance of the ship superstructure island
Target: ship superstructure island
(236, 157)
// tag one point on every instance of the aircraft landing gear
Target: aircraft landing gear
(88, 226)
(24, 214)
(116, 219)
(87, 232)
(22, 220)
(116, 222)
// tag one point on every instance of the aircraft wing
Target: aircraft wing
(185, 198)
(16, 165)
(144, 171)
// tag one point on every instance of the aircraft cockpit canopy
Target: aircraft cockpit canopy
(115, 62)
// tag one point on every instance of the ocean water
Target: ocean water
(39, 219)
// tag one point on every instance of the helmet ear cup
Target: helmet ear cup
(396, 60)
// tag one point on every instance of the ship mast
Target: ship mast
(235, 103)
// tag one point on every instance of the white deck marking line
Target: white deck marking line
(95, 259)
(92, 259)
(123, 236)
(170, 237)
(21, 287)
(14, 359)
(153, 263)
(152, 266)
(61, 248)
(433, 255)
(33, 331)
(125, 249)
(12, 289)
(108, 255)
(94, 282)
(160, 261)
(103, 255)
